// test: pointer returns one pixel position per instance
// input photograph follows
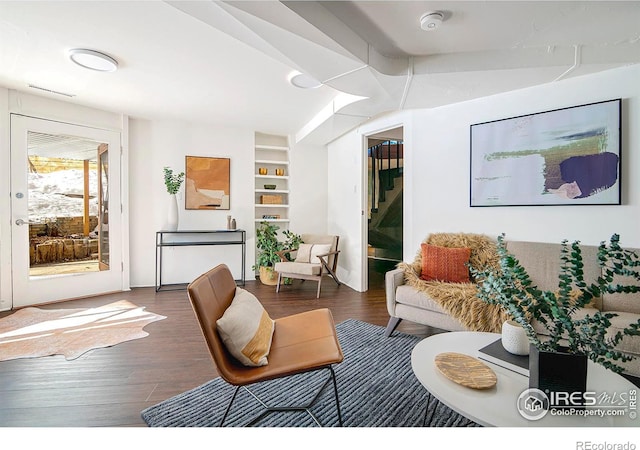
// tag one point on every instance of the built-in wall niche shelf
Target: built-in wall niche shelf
(272, 147)
(272, 161)
(272, 191)
(272, 154)
(274, 176)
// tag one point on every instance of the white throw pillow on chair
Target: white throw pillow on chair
(319, 249)
(308, 253)
(246, 329)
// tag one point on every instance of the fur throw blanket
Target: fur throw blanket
(459, 299)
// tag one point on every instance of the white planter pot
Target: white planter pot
(172, 215)
(514, 338)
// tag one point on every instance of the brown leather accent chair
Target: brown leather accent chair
(302, 342)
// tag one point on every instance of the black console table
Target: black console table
(185, 238)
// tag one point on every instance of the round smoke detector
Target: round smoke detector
(431, 20)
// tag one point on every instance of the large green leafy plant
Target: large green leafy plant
(269, 245)
(510, 286)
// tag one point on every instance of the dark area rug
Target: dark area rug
(376, 385)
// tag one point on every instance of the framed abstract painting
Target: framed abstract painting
(207, 183)
(568, 156)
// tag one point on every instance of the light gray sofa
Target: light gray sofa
(542, 262)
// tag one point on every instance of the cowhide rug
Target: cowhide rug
(32, 332)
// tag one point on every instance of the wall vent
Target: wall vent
(51, 91)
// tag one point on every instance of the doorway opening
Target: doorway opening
(385, 155)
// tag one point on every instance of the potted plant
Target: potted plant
(588, 337)
(268, 247)
(172, 181)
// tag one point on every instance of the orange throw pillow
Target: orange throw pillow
(445, 263)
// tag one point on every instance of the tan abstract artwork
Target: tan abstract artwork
(207, 183)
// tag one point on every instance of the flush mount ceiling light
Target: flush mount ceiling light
(431, 20)
(303, 81)
(91, 59)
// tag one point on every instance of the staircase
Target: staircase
(385, 200)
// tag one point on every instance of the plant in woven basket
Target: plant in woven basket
(172, 181)
(510, 286)
(269, 245)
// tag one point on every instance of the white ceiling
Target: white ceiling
(226, 63)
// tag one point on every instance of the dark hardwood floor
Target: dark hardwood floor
(109, 387)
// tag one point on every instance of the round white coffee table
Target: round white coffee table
(497, 406)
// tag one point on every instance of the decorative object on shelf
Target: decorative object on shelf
(271, 216)
(270, 186)
(271, 199)
(279, 172)
(207, 183)
(231, 223)
(514, 338)
(173, 218)
(466, 370)
(172, 181)
(268, 247)
(510, 286)
(262, 170)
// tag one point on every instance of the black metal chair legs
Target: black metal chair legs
(303, 408)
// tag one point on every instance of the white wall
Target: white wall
(345, 205)
(441, 157)
(308, 186)
(437, 171)
(154, 145)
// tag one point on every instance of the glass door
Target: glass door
(65, 242)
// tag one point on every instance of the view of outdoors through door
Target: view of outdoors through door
(67, 201)
(64, 236)
(385, 155)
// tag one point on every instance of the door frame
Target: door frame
(101, 150)
(364, 225)
(6, 292)
(122, 247)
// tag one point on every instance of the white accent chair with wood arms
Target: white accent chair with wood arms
(316, 257)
